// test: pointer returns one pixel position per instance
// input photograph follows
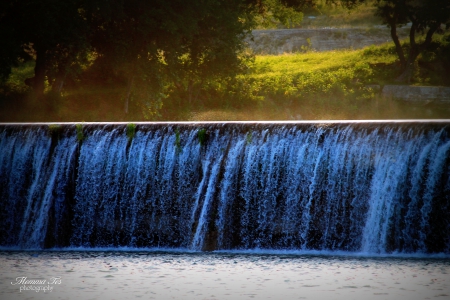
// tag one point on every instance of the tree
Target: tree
(163, 46)
(287, 12)
(157, 45)
(51, 32)
(10, 43)
(427, 17)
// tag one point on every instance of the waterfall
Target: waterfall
(372, 187)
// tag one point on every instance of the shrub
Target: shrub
(131, 131)
(80, 135)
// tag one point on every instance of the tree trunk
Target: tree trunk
(415, 50)
(398, 46)
(408, 70)
(58, 84)
(39, 72)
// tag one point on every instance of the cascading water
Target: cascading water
(374, 187)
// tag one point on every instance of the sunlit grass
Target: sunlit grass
(340, 75)
(307, 86)
(298, 63)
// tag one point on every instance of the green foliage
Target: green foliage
(167, 47)
(249, 137)
(313, 85)
(170, 60)
(131, 131)
(54, 34)
(317, 85)
(80, 134)
(150, 49)
(202, 136)
(299, 76)
(340, 14)
(178, 147)
(275, 13)
(16, 80)
(427, 17)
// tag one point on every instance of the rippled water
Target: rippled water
(221, 275)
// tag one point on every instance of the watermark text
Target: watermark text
(36, 284)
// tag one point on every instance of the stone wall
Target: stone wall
(417, 93)
(325, 39)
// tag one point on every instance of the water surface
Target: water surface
(223, 275)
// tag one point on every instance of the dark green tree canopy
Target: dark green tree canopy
(146, 41)
(51, 32)
(161, 45)
(425, 16)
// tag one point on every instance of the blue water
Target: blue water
(308, 210)
(372, 187)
